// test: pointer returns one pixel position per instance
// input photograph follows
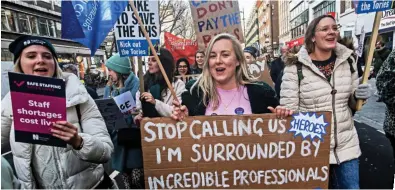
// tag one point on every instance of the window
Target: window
(324, 8)
(43, 25)
(58, 29)
(8, 20)
(6, 55)
(33, 24)
(57, 3)
(24, 23)
(52, 29)
(348, 34)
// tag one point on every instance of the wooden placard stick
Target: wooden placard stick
(369, 58)
(140, 73)
(162, 70)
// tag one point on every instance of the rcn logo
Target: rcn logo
(36, 137)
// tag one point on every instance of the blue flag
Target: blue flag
(89, 22)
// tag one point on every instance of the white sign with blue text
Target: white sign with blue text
(129, 37)
(373, 6)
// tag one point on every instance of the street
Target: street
(376, 162)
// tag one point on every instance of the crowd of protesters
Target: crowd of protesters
(321, 75)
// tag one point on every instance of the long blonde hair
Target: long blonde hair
(206, 81)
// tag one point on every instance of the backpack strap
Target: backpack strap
(299, 70)
(349, 60)
(77, 107)
(299, 67)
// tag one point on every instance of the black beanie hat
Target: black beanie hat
(17, 46)
(252, 50)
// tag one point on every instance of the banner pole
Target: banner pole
(369, 58)
(140, 73)
(162, 70)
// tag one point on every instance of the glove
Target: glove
(363, 91)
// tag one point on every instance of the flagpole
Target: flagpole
(162, 70)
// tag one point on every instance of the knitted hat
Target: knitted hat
(119, 64)
(24, 41)
(253, 51)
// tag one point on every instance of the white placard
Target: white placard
(125, 102)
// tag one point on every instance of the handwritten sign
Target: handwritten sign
(257, 69)
(37, 102)
(250, 151)
(125, 102)
(373, 6)
(128, 34)
(215, 17)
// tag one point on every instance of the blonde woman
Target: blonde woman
(225, 86)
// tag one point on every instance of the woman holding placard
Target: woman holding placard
(158, 95)
(126, 157)
(226, 87)
(322, 76)
(79, 165)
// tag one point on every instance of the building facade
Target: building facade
(251, 32)
(284, 25)
(353, 23)
(299, 19)
(41, 18)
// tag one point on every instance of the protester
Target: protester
(311, 85)
(277, 84)
(121, 80)
(71, 68)
(380, 55)
(227, 86)
(386, 86)
(79, 165)
(158, 96)
(196, 68)
(277, 65)
(182, 67)
(348, 42)
(250, 54)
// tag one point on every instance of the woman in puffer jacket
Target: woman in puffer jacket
(323, 77)
(79, 165)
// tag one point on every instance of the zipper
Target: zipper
(333, 92)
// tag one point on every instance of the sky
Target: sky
(247, 5)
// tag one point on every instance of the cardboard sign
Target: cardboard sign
(125, 102)
(37, 102)
(187, 78)
(111, 114)
(128, 34)
(180, 47)
(215, 17)
(373, 6)
(257, 69)
(240, 151)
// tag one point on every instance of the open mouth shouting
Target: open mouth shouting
(220, 70)
(41, 71)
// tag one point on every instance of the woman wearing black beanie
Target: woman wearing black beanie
(79, 165)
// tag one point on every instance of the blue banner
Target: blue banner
(95, 18)
(372, 6)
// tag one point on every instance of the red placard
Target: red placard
(180, 47)
(297, 42)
